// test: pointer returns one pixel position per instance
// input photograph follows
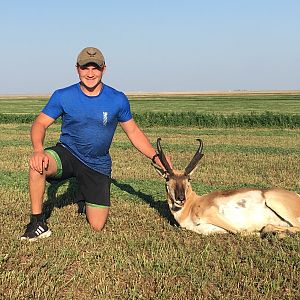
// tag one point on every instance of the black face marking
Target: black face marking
(177, 189)
(176, 208)
(180, 193)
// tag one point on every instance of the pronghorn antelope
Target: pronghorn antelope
(248, 210)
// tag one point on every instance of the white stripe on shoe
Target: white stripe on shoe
(39, 230)
(41, 236)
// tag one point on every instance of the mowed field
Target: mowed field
(226, 103)
(142, 253)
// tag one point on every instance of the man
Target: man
(90, 112)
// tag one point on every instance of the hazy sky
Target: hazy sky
(157, 45)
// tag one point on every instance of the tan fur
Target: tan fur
(239, 210)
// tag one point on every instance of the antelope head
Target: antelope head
(177, 182)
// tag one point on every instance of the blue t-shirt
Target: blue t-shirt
(89, 122)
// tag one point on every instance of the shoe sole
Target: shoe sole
(42, 236)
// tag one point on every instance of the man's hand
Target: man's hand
(39, 161)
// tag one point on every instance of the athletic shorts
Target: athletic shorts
(94, 186)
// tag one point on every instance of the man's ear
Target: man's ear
(161, 172)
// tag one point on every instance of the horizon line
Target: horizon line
(141, 93)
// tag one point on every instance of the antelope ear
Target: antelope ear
(161, 172)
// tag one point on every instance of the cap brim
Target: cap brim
(89, 61)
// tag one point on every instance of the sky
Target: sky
(152, 46)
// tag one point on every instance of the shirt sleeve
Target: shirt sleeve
(125, 112)
(54, 108)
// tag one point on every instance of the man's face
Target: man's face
(90, 75)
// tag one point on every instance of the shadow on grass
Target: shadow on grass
(73, 196)
(70, 196)
(161, 206)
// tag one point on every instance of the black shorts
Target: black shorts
(94, 186)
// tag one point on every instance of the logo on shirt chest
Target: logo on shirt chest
(105, 118)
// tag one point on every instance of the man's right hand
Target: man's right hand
(39, 161)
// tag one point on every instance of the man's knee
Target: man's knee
(35, 175)
(97, 217)
(97, 226)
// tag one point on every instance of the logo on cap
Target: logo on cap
(91, 54)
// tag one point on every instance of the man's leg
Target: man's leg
(37, 228)
(37, 183)
(97, 216)
(95, 189)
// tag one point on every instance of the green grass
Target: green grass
(149, 119)
(218, 104)
(226, 104)
(22, 105)
(141, 253)
(281, 110)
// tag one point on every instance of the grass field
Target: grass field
(142, 254)
(203, 103)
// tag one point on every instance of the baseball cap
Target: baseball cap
(90, 55)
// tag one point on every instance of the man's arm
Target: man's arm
(39, 161)
(140, 141)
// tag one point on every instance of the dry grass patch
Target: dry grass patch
(16, 165)
(221, 169)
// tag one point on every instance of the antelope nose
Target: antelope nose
(181, 198)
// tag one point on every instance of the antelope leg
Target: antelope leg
(281, 230)
(287, 208)
(212, 216)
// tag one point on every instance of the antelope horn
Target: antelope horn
(193, 163)
(162, 157)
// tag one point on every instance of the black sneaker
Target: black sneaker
(81, 207)
(36, 230)
(79, 199)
